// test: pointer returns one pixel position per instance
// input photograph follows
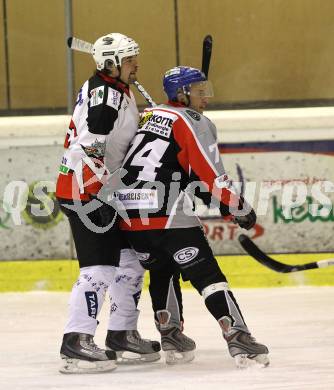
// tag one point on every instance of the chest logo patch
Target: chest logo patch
(193, 114)
(114, 98)
(96, 96)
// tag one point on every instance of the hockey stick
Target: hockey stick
(87, 47)
(275, 265)
(254, 251)
(247, 244)
(206, 58)
(144, 94)
(206, 54)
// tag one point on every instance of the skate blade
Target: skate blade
(243, 361)
(127, 357)
(261, 359)
(79, 366)
(177, 357)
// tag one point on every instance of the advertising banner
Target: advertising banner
(288, 180)
(37, 229)
(290, 185)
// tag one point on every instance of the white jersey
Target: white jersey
(104, 121)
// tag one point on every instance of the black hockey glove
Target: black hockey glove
(105, 213)
(246, 221)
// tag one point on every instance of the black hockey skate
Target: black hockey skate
(80, 355)
(131, 348)
(243, 347)
(178, 347)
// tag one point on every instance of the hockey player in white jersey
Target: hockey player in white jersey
(104, 122)
(174, 157)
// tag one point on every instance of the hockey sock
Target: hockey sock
(125, 291)
(221, 303)
(87, 297)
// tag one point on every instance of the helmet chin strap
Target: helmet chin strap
(185, 99)
(118, 65)
(186, 93)
(119, 74)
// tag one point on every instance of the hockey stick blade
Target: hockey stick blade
(254, 251)
(206, 54)
(79, 45)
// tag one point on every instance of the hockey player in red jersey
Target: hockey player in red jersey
(173, 157)
(104, 121)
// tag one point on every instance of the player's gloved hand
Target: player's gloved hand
(246, 221)
(105, 213)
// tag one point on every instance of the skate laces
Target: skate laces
(89, 342)
(135, 337)
(250, 338)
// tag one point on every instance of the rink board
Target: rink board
(49, 237)
(290, 147)
(241, 271)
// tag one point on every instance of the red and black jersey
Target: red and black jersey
(173, 156)
(104, 121)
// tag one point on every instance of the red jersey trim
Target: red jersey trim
(68, 188)
(176, 104)
(118, 84)
(143, 223)
(190, 150)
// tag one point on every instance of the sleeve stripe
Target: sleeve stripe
(199, 162)
(195, 138)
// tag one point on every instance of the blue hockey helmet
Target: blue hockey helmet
(181, 77)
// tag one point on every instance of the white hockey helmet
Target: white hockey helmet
(113, 47)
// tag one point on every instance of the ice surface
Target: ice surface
(297, 324)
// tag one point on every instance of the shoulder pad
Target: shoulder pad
(196, 121)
